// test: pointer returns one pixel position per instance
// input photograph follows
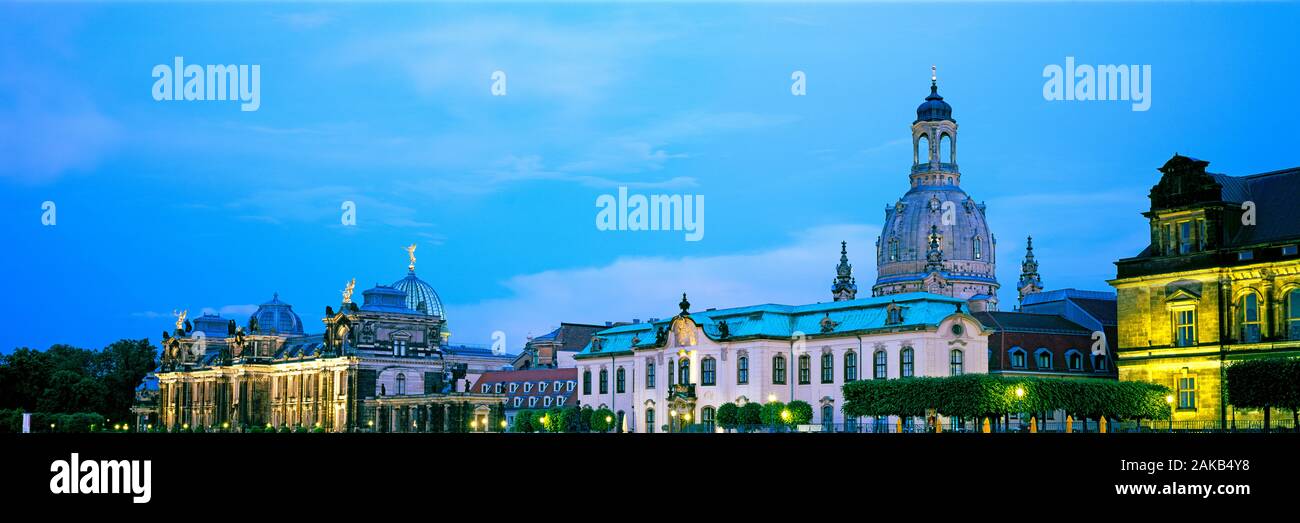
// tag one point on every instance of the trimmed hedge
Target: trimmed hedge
(1266, 384)
(982, 395)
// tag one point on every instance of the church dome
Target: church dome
(420, 296)
(277, 317)
(934, 108)
(965, 246)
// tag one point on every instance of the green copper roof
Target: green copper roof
(773, 321)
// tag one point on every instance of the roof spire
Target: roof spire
(685, 305)
(1030, 282)
(934, 76)
(844, 287)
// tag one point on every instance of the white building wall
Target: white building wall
(931, 358)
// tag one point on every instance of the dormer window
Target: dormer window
(893, 314)
(1246, 255)
(528, 388)
(514, 387)
(541, 386)
(485, 388)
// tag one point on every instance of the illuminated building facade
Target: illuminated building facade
(383, 365)
(1218, 283)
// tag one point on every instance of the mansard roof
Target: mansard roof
(774, 321)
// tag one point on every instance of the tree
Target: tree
(751, 415)
(801, 413)
(728, 416)
(584, 419)
(771, 414)
(523, 422)
(602, 420)
(1265, 383)
(570, 419)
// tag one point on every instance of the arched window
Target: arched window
(906, 367)
(1017, 357)
(882, 365)
(828, 367)
(401, 384)
(956, 362)
(922, 152)
(1099, 362)
(979, 253)
(620, 381)
(778, 370)
(1293, 314)
(586, 381)
(1248, 317)
(805, 369)
(604, 381)
(945, 148)
(828, 418)
(709, 371)
(706, 418)
(1044, 359)
(684, 371)
(742, 370)
(650, 375)
(893, 249)
(850, 366)
(1074, 360)
(650, 420)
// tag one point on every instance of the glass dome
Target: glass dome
(420, 296)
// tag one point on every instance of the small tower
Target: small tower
(934, 141)
(844, 287)
(1029, 282)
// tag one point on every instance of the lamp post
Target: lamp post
(1020, 395)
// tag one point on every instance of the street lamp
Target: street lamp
(771, 397)
(785, 416)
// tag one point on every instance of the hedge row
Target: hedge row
(982, 395)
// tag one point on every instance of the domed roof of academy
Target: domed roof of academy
(277, 317)
(935, 237)
(420, 296)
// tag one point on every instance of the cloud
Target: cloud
(642, 287)
(572, 63)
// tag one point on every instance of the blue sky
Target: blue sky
(197, 205)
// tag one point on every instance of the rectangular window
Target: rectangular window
(709, 372)
(742, 370)
(828, 368)
(1187, 393)
(1288, 250)
(1185, 328)
(778, 370)
(1167, 241)
(1246, 255)
(805, 370)
(1201, 240)
(1184, 237)
(850, 366)
(649, 375)
(881, 364)
(906, 370)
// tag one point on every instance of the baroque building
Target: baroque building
(672, 375)
(382, 365)
(1219, 282)
(935, 238)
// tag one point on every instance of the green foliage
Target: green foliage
(584, 419)
(602, 420)
(1264, 383)
(728, 415)
(771, 413)
(801, 412)
(11, 421)
(982, 395)
(523, 422)
(751, 415)
(69, 379)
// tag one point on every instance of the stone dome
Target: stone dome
(277, 317)
(934, 108)
(965, 246)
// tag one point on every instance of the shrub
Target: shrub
(602, 420)
(728, 416)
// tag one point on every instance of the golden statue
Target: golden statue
(180, 317)
(347, 292)
(410, 251)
